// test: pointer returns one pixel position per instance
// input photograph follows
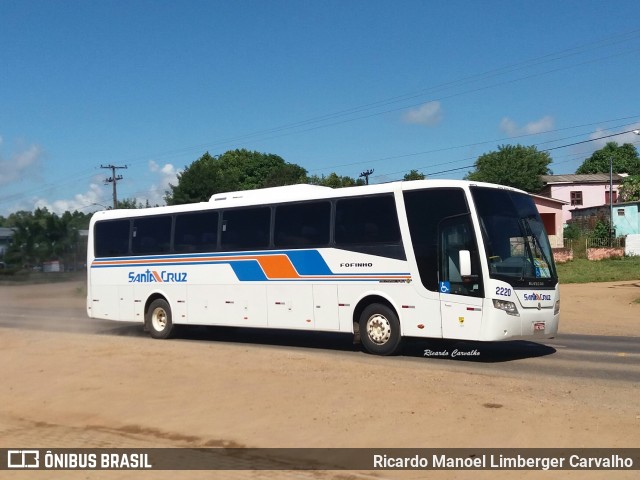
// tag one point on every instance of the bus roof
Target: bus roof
(291, 193)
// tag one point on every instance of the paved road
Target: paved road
(576, 356)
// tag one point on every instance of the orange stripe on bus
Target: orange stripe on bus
(277, 266)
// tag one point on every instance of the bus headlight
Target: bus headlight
(556, 308)
(508, 307)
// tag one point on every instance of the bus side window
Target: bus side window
(302, 225)
(367, 220)
(196, 232)
(246, 228)
(152, 235)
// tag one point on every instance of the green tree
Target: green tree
(334, 180)
(235, 170)
(512, 165)
(287, 174)
(623, 157)
(131, 203)
(630, 189)
(601, 230)
(41, 235)
(197, 182)
(414, 175)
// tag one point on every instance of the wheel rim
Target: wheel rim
(159, 319)
(379, 329)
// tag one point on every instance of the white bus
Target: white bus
(430, 258)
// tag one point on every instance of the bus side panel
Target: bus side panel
(199, 307)
(420, 316)
(216, 297)
(290, 306)
(243, 306)
(105, 305)
(109, 298)
(325, 302)
(125, 303)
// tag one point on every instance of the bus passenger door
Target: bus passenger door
(460, 279)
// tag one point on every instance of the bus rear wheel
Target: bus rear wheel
(380, 330)
(158, 319)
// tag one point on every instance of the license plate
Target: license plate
(538, 327)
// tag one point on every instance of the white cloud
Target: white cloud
(166, 174)
(92, 199)
(510, 127)
(98, 196)
(629, 137)
(20, 164)
(427, 114)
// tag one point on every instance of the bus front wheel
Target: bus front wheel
(380, 330)
(158, 319)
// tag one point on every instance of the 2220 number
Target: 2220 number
(505, 292)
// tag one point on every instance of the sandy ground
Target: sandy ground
(85, 390)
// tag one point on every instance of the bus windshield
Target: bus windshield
(516, 243)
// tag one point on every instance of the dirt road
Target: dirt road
(61, 389)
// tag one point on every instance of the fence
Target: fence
(604, 242)
(601, 248)
(590, 248)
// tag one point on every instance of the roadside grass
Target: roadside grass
(581, 270)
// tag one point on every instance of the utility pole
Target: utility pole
(114, 179)
(611, 231)
(366, 174)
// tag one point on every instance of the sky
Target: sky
(334, 86)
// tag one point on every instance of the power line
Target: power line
(338, 117)
(546, 150)
(484, 142)
(562, 54)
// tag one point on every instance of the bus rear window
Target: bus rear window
(111, 238)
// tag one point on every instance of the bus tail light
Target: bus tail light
(556, 308)
(508, 307)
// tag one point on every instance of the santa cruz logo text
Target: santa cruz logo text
(150, 276)
(536, 297)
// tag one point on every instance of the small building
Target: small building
(550, 210)
(580, 190)
(626, 217)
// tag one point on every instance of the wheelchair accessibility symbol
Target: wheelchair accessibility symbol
(445, 287)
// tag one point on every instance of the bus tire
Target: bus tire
(380, 330)
(158, 319)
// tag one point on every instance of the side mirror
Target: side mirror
(465, 263)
